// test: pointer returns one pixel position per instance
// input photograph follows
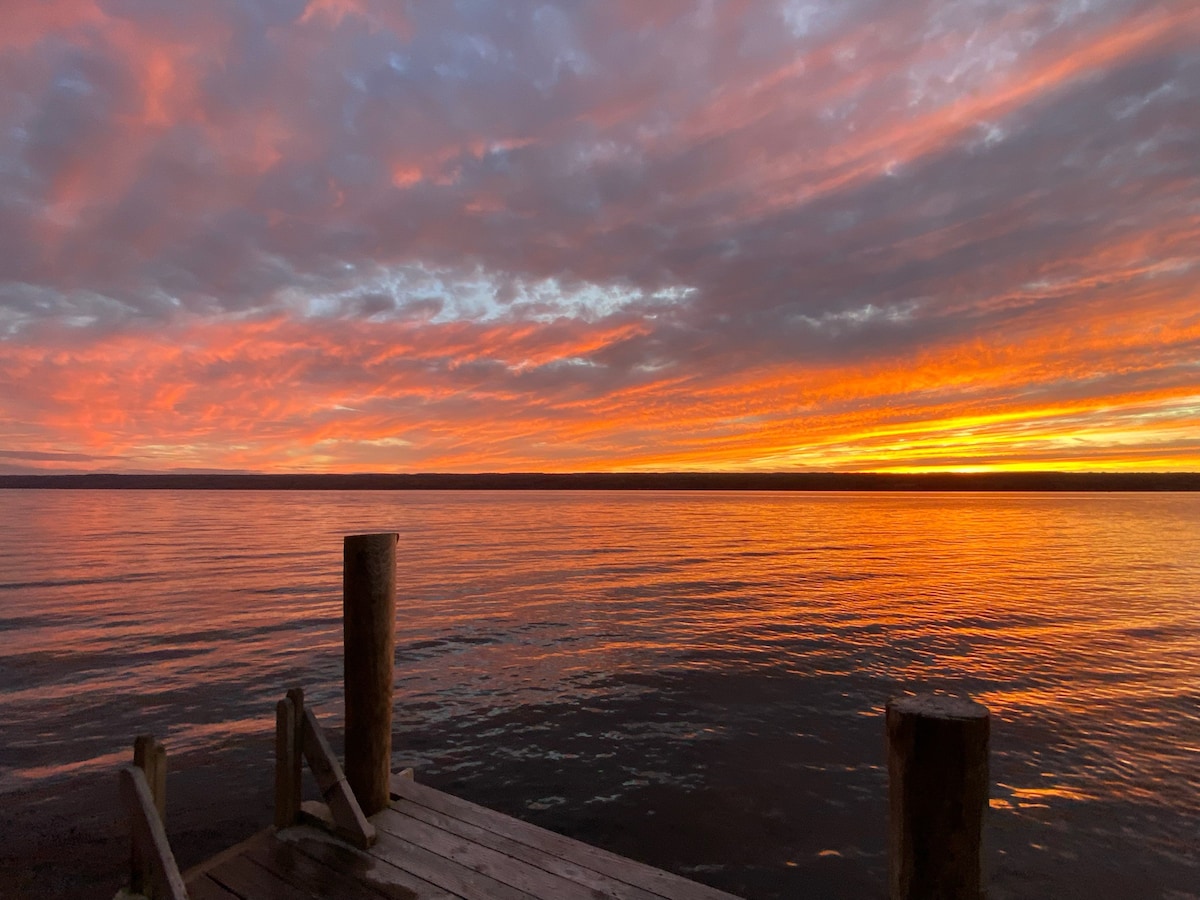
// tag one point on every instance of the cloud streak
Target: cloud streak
(343, 235)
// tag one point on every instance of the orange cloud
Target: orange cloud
(377, 15)
(280, 394)
(642, 238)
(28, 23)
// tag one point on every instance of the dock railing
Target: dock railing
(299, 738)
(154, 873)
(937, 749)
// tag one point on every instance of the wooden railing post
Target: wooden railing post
(938, 789)
(369, 641)
(289, 746)
(151, 757)
(154, 873)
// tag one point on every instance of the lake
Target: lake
(693, 679)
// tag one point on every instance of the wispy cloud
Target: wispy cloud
(347, 234)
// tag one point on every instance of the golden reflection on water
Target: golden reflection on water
(1073, 617)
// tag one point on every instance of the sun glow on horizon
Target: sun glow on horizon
(340, 237)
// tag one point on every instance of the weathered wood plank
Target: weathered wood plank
(550, 862)
(319, 755)
(201, 869)
(348, 818)
(445, 873)
(301, 870)
(938, 792)
(251, 881)
(362, 866)
(316, 813)
(656, 881)
(296, 695)
(369, 649)
(150, 837)
(287, 768)
(204, 888)
(151, 757)
(158, 787)
(503, 868)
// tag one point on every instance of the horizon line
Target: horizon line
(1011, 481)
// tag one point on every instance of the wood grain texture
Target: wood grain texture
(369, 645)
(654, 881)
(432, 846)
(290, 863)
(379, 874)
(150, 838)
(250, 881)
(204, 888)
(497, 865)
(151, 757)
(937, 792)
(578, 873)
(448, 874)
(287, 767)
(348, 818)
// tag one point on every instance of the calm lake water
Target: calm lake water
(693, 679)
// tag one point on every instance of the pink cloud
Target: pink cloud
(352, 235)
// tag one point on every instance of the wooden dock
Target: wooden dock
(375, 833)
(379, 834)
(432, 846)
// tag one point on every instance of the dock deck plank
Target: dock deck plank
(535, 856)
(627, 871)
(434, 846)
(446, 873)
(287, 860)
(507, 870)
(246, 878)
(380, 875)
(204, 888)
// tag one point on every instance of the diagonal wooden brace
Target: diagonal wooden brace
(348, 820)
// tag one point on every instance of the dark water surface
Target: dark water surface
(692, 679)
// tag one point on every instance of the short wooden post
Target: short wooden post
(938, 789)
(369, 641)
(151, 757)
(288, 760)
(296, 696)
(161, 879)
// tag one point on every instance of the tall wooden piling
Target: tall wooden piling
(369, 641)
(938, 788)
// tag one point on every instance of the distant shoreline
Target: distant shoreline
(677, 481)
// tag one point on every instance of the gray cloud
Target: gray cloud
(737, 186)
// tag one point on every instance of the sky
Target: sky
(347, 235)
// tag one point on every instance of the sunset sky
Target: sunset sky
(347, 235)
